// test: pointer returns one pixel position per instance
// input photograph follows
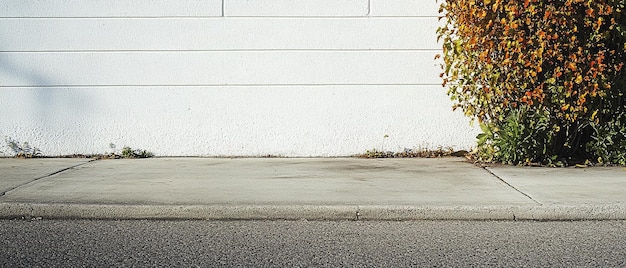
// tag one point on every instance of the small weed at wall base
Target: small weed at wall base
(22, 150)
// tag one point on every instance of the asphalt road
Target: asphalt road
(72, 243)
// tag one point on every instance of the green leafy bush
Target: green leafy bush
(608, 142)
(544, 78)
(522, 139)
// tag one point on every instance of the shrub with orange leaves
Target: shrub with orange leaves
(555, 61)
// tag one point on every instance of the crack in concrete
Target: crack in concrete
(45, 176)
(512, 187)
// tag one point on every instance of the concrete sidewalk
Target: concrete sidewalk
(305, 188)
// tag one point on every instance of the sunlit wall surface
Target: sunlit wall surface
(224, 78)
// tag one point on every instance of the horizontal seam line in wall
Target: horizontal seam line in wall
(121, 17)
(333, 17)
(226, 50)
(217, 85)
(226, 17)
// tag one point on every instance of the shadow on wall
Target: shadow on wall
(34, 103)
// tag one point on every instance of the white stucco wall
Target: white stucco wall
(224, 78)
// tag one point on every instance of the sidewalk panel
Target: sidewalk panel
(571, 186)
(16, 172)
(270, 181)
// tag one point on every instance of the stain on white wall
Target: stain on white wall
(224, 78)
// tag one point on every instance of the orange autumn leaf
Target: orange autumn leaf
(547, 14)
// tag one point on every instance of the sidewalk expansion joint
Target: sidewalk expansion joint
(511, 186)
(45, 176)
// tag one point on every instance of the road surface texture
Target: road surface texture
(74, 243)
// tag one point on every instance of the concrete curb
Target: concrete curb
(539, 212)
(181, 212)
(311, 212)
